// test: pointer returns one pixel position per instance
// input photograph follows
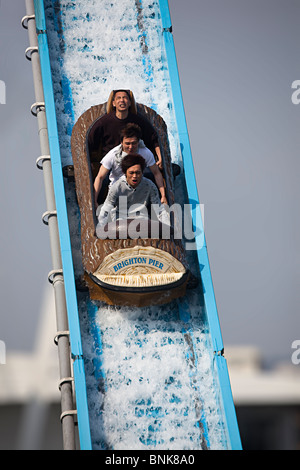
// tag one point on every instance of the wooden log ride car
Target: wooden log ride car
(125, 271)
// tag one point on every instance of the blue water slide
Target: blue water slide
(154, 437)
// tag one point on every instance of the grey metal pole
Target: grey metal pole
(50, 219)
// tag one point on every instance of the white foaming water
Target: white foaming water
(146, 399)
(148, 373)
(102, 53)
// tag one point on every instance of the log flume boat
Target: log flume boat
(121, 270)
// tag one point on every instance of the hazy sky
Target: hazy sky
(237, 60)
(237, 64)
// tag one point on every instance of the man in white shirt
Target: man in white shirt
(132, 195)
(131, 143)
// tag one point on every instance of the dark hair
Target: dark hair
(131, 130)
(131, 160)
(125, 91)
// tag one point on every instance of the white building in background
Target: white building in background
(29, 394)
(267, 402)
(251, 385)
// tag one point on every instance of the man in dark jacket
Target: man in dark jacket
(105, 133)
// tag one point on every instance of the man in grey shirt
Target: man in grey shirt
(131, 143)
(132, 194)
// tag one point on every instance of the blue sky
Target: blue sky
(237, 60)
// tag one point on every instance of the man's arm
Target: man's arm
(159, 162)
(102, 173)
(162, 214)
(160, 183)
(109, 204)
